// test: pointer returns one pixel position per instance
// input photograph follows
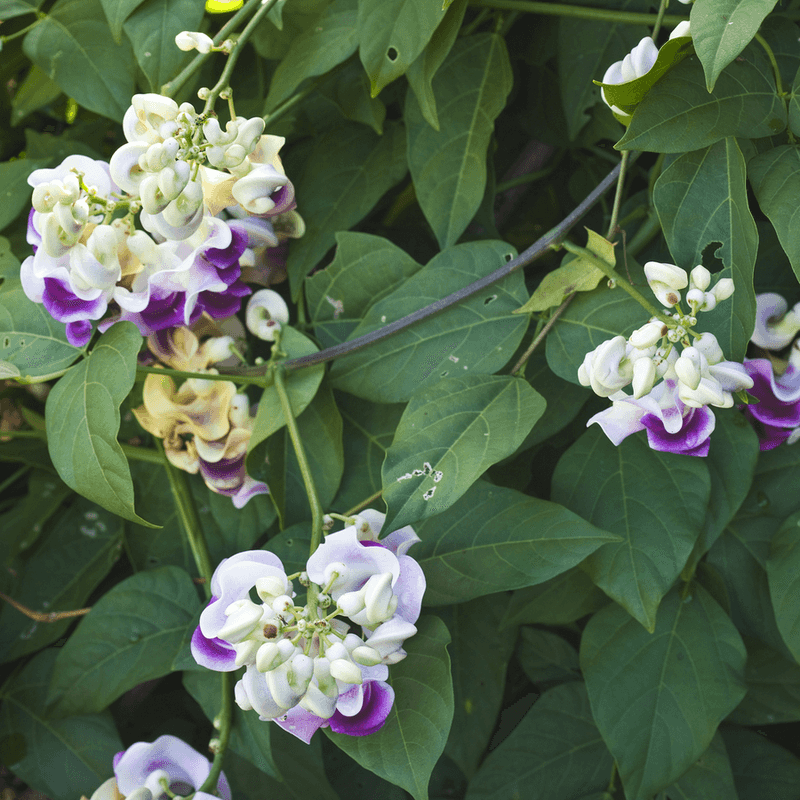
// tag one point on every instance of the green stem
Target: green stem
(647, 231)
(179, 373)
(17, 34)
(187, 512)
(224, 79)
(581, 12)
(288, 105)
(225, 723)
(479, 19)
(308, 478)
(171, 88)
(660, 18)
(530, 177)
(13, 478)
(772, 60)
(613, 275)
(541, 334)
(25, 435)
(363, 504)
(146, 454)
(612, 227)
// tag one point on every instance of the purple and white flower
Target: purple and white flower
(160, 770)
(776, 417)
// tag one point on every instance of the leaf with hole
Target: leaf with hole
(448, 436)
(391, 34)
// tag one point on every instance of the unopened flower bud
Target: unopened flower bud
(346, 671)
(723, 289)
(243, 616)
(266, 313)
(690, 367)
(366, 656)
(644, 376)
(649, 334)
(665, 280)
(193, 40)
(699, 278)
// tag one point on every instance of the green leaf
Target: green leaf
(405, 750)
(701, 199)
(709, 778)
(69, 561)
(784, 581)
(679, 114)
(721, 29)
(348, 171)
(368, 431)
(117, 11)
(658, 697)
(36, 91)
(16, 194)
(423, 69)
(558, 601)
(448, 165)
(16, 8)
(301, 386)
(586, 48)
(330, 41)
(391, 34)
(590, 319)
(735, 556)
(152, 29)
(773, 687)
(348, 88)
(364, 270)
(775, 177)
(74, 46)
(478, 683)
(479, 334)
(731, 464)
(30, 339)
(64, 758)
(494, 539)
(131, 635)
(545, 657)
(576, 274)
(760, 768)
(83, 421)
(250, 737)
(656, 501)
(554, 753)
(320, 427)
(449, 435)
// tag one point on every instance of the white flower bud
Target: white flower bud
(213, 132)
(379, 600)
(682, 28)
(648, 335)
(153, 200)
(665, 280)
(279, 687)
(281, 603)
(245, 651)
(271, 587)
(193, 40)
(366, 656)
(253, 191)
(241, 698)
(346, 671)
(696, 297)
(243, 616)
(644, 376)
(707, 393)
(43, 199)
(708, 345)
(184, 207)
(699, 278)
(266, 313)
(690, 367)
(606, 369)
(723, 289)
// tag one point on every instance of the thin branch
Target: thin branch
(363, 504)
(535, 251)
(40, 616)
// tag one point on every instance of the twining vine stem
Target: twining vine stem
(225, 719)
(581, 12)
(536, 250)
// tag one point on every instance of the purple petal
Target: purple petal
(62, 304)
(228, 256)
(79, 333)
(691, 440)
(213, 654)
(375, 709)
(409, 589)
(301, 723)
